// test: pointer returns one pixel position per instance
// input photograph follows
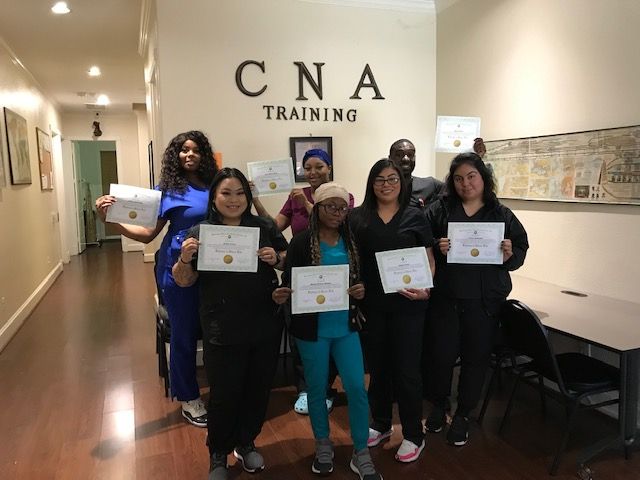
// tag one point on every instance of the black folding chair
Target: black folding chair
(577, 376)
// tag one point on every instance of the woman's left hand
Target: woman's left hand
(507, 249)
(415, 293)
(356, 291)
(268, 255)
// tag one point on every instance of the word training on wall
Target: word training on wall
(309, 114)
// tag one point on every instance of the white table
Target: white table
(604, 321)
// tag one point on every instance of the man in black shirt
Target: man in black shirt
(423, 191)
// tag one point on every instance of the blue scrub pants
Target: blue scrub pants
(182, 305)
(347, 354)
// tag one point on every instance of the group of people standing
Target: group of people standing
(241, 315)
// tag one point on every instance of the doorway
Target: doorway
(95, 168)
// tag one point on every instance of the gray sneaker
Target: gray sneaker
(218, 468)
(250, 458)
(362, 464)
(323, 463)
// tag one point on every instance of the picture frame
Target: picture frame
(17, 147)
(3, 175)
(298, 146)
(44, 160)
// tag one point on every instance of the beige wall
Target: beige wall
(539, 67)
(30, 239)
(197, 89)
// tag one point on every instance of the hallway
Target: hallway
(81, 399)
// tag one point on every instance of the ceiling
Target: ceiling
(59, 49)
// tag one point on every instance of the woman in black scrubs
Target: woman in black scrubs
(466, 297)
(395, 321)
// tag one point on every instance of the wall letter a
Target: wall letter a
(372, 84)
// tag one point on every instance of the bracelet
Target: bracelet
(182, 261)
(278, 258)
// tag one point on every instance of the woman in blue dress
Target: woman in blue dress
(188, 167)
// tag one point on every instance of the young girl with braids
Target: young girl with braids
(319, 336)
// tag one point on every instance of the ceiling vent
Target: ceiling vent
(95, 106)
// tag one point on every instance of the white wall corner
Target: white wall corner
(14, 323)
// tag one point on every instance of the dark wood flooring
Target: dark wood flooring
(80, 398)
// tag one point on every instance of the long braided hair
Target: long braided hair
(345, 232)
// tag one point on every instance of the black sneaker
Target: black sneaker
(218, 467)
(195, 412)
(250, 458)
(323, 461)
(436, 420)
(458, 433)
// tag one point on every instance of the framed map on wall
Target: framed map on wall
(597, 166)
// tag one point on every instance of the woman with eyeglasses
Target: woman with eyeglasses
(295, 214)
(322, 336)
(467, 297)
(395, 321)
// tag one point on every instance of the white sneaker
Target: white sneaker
(195, 413)
(409, 451)
(375, 437)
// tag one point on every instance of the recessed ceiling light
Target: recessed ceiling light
(102, 99)
(60, 8)
(94, 71)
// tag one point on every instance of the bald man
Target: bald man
(423, 190)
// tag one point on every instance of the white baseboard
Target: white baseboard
(14, 323)
(149, 257)
(132, 247)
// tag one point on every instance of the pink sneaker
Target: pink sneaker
(409, 451)
(375, 437)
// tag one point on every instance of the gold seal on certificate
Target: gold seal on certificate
(272, 177)
(404, 268)
(457, 143)
(319, 289)
(228, 249)
(475, 242)
(133, 214)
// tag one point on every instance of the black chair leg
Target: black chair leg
(573, 409)
(543, 400)
(507, 412)
(495, 377)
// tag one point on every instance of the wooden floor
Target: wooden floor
(81, 399)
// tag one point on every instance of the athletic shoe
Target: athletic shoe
(301, 406)
(330, 404)
(250, 458)
(195, 413)
(218, 467)
(458, 433)
(375, 437)
(409, 451)
(436, 420)
(323, 461)
(362, 464)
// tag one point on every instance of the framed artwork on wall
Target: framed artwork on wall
(18, 147)
(44, 160)
(299, 145)
(3, 177)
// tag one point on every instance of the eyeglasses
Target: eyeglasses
(333, 209)
(379, 181)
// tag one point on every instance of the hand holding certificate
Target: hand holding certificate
(475, 242)
(228, 249)
(404, 268)
(134, 206)
(319, 289)
(272, 177)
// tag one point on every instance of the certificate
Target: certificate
(228, 249)
(319, 289)
(475, 242)
(404, 268)
(271, 177)
(135, 205)
(456, 134)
